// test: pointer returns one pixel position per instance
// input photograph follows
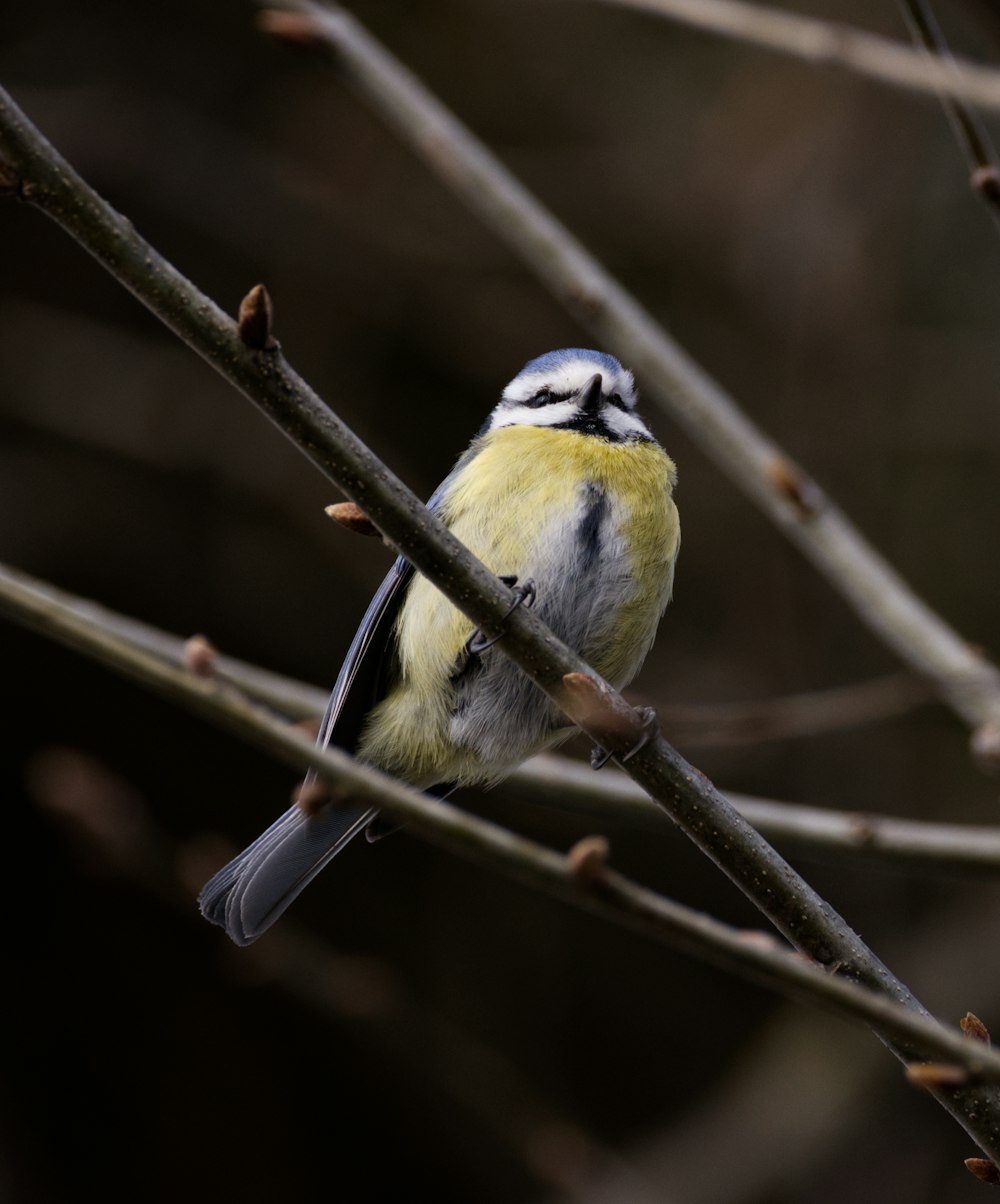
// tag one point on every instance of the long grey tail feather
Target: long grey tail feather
(246, 896)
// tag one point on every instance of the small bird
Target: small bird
(563, 493)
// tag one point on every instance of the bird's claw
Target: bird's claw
(599, 757)
(524, 595)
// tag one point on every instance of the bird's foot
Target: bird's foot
(524, 595)
(599, 757)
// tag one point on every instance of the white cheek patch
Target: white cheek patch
(522, 415)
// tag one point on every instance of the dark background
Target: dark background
(417, 1028)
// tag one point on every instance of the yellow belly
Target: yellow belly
(517, 507)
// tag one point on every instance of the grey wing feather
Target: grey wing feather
(381, 611)
(246, 896)
(253, 890)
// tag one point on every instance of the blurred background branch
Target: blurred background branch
(970, 133)
(829, 44)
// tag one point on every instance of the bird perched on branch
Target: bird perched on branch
(567, 496)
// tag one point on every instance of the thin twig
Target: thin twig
(611, 797)
(830, 44)
(961, 674)
(45, 179)
(969, 131)
(606, 894)
(556, 781)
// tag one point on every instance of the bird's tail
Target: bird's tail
(251, 892)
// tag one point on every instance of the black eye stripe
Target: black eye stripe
(545, 397)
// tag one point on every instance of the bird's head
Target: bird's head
(573, 389)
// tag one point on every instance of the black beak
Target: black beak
(590, 395)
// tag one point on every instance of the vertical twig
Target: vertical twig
(970, 133)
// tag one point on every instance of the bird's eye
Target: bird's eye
(541, 398)
(616, 400)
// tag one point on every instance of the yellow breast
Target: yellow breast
(516, 506)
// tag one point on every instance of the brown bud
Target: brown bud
(587, 858)
(200, 656)
(986, 181)
(351, 516)
(310, 727)
(297, 28)
(936, 1074)
(10, 181)
(795, 487)
(255, 315)
(761, 940)
(312, 796)
(985, 745)
(984, 1169)
(589, 701)
(973, 1027)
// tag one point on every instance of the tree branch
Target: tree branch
(970, 133)
(830, 44)
(552, 780)
(601, 892)
(558, 782)
(795, 503)
(47, 181)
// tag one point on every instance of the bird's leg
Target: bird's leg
(599, 757)
(524, 595)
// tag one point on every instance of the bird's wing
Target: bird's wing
(358, 681)
(251, 892)
(246, 896)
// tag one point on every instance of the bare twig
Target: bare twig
(48, 182)
(970, 132)
(613, 798)
(556, 781)
(830, 44)
(961, 674)
(603, 892)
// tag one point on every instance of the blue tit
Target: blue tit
(563, 486)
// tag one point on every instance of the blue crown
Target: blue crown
(553, 360)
